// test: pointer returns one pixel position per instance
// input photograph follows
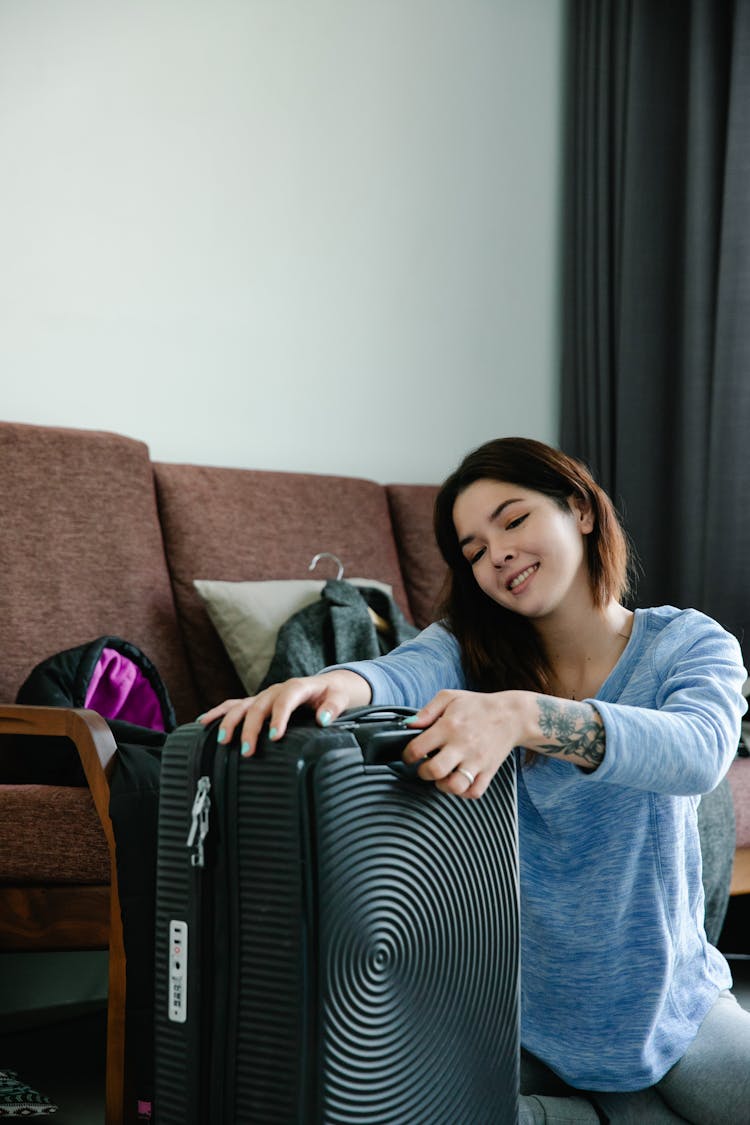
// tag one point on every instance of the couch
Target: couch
(97, 539)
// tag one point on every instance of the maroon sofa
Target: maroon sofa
(96, 539)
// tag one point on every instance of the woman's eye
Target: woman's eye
(517, 522)
(476, 556)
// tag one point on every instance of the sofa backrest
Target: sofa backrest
(237, 525)
(81, 553)
(95, 539)
(421, 562)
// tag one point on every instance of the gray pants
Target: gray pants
(710, 1085)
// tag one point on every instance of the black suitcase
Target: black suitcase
(336, 941)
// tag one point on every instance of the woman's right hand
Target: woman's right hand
(328, 694)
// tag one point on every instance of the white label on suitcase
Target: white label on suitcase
(178, 952)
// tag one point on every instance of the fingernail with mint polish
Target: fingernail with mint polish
(245, 749)
(273, 732)
(411, 719)
(324, 718)
(221, 735)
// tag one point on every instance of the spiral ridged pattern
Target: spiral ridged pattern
(418, 950)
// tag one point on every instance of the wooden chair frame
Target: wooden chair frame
(741, 872)
(69, 917)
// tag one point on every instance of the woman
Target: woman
(623, 720)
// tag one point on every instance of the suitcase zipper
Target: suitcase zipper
(199, 821)
(198, 845)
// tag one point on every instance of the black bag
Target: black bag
(336, 940)
(115, 678)
(109, 675)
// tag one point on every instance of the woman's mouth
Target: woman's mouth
(519, 579)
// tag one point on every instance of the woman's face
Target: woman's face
(526, 551)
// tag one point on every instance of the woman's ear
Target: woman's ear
(584, 513)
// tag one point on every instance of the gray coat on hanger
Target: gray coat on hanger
(336, 629)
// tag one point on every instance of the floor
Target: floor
(65, 1059)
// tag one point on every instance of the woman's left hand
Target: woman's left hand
(467, 735)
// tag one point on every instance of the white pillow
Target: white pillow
(248, 615)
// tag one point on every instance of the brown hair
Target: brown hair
(500, 649)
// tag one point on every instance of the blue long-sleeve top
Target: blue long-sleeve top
(616, 971)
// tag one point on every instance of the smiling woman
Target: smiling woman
(628, 717)
(517, 505)
(508, 549)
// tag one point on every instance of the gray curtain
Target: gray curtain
(656, 337)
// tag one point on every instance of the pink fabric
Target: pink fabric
(119, 690)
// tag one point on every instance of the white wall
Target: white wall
(303, 234)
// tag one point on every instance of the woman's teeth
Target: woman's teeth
(522, 577)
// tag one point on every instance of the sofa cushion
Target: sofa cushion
(81, 553)
(238, 525)
(51, 834)
(421, 562)
(739, 779)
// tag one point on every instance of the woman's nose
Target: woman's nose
(501, 554)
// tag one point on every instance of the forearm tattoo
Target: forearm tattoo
(573, 730)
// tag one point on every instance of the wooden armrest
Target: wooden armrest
(90, 735)
(741, 872)
(49, 908)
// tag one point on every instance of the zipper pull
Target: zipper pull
(199, 821)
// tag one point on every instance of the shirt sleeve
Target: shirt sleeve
(679, 729)
(411, 674)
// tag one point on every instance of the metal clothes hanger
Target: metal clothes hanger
(379, 622)
(328, 555)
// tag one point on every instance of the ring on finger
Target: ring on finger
(467, 774)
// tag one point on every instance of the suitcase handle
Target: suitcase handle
(373, 714)
(381, 733)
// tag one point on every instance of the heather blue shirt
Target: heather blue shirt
(617, 973)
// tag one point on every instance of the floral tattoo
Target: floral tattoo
(573, 729)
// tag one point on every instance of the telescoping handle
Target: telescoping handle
(380, 731)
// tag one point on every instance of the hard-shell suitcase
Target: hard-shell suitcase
(336, 940)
